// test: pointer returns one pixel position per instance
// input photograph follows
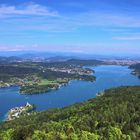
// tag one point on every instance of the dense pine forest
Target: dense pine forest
(112, 115)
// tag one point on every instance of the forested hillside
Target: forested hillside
(136, 68)
(114, 115)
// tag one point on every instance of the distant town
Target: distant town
(121, 62)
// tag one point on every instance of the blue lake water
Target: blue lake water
(76, 91)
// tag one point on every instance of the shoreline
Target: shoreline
(17, 112)
(48, 89)
(27, 95)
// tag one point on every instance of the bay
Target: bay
(77, 91)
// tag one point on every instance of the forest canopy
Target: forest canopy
(112, 115)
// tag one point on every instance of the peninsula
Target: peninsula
(41, 77)
(19, 111)
(136, 69)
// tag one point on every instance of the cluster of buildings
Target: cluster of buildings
(18, 111)
(3, 84)
(75, 70)
(121, 62)
(18, 81)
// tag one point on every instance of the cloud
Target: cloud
(34, 23)
(107, 19)
(12, 48)
(30, 9)
(36, 17)
(127, 38)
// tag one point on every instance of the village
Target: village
(73, 70)
(19, 111)
(20, 81)
(42, 78)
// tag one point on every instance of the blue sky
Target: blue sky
(85, 26)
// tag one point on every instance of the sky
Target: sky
(81, 26)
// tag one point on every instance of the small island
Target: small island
(16, 112)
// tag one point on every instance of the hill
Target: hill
(112, 115)
(136, 68)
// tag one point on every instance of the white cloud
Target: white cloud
(127, 38)
(30, 9)
(40, 18)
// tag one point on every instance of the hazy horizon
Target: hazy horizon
(68, 55)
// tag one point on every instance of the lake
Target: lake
(77, 91)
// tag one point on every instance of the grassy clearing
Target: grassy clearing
(47, 82)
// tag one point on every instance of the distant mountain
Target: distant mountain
(60, 58)
(10, 59)
(63, 56)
